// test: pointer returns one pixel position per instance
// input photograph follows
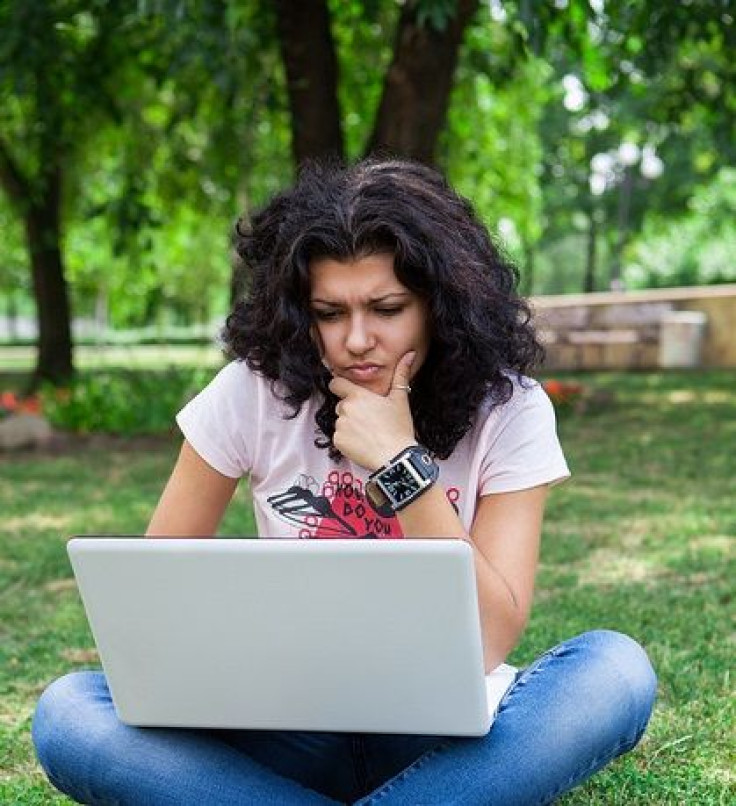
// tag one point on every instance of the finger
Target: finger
(402, 374)
(342, 387)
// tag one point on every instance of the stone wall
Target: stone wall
(610, 331)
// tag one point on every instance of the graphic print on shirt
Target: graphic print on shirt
(338, 508)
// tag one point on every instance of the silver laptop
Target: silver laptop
(336, 635)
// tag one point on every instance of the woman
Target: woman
(381, 331)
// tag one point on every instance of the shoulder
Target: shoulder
(527, 399)
(518, 440)
(237, 397)
(238, 381)
(236, 374)
(245, 395)
(527, 417)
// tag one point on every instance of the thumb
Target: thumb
(400, 382)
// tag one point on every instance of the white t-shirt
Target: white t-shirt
(237, 425)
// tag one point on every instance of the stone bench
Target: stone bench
(616, 336)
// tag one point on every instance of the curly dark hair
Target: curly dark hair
(480, 328)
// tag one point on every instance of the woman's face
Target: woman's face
(365, 320)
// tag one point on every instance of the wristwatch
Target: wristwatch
(403, 479)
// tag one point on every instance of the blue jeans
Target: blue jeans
(568, 714)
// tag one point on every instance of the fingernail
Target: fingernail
(410, 357)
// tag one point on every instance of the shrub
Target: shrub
(124, 402)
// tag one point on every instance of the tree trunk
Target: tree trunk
(417, 85)
(43, 234)
(308, 53)
(624, 210)
(39, 205)
(591, 254)
(527, 272)
(12, 314)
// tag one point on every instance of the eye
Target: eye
(325, 316)
(392, 310)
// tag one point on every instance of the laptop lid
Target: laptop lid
(336, 635)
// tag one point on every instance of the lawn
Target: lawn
(134, 356)
(639, 540)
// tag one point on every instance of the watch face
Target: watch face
(399, 482)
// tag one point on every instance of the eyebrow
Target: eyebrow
(400, 295)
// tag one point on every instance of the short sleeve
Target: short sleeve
(519, 443)
(220, 422)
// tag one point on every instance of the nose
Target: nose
(359, 338)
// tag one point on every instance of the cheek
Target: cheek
(420, 332)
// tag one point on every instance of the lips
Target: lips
(362, 372)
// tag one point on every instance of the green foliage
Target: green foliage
(363, 37)
(164, 188)
(492, 142)
(167, 121)
(667, 93)
(694, 248)
(170, 118)
(50, 115)
(435, 13)
(14, 275)
(124, 402)
(183, 270)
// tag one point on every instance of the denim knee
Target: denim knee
(63, 723)
(631, 661)
(624, 672)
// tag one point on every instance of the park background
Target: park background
(595, 138)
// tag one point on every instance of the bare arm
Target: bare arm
(194, 499)
(505, 538)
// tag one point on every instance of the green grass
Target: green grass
(640, 540)
(20, 360)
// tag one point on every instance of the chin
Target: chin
(377, 386)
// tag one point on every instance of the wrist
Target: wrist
(402, 479)
(388, 453)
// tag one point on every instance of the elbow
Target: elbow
(501, 636)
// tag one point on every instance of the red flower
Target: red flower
(562, 393)
(30, 405)
(8, 401)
